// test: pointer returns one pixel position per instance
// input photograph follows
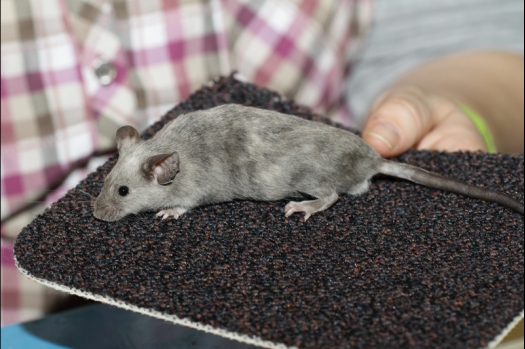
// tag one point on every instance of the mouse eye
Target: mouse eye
(123, 191)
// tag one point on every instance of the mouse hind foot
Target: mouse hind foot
(310, 207)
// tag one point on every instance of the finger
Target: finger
(453, 133)
(398, 121)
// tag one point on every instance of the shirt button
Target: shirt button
(105, 72)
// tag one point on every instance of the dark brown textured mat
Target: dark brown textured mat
(400, 266)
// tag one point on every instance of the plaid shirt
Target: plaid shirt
(74, 71)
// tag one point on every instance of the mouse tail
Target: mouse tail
(432, 180)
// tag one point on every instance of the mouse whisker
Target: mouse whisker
(88, 194)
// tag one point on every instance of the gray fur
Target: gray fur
(236, 152)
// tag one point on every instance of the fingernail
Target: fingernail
(386, 133)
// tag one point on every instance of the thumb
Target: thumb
(398, 120)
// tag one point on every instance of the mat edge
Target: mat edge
(154, 313)
(499, 338)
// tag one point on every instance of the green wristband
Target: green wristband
(481, 126)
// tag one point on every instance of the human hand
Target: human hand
(407, 117)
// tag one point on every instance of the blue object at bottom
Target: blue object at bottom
(104, 326)
(16, 337)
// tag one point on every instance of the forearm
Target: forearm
(491, 83)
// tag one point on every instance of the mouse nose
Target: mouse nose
(105, 212)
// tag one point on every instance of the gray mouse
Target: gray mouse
(237, 152)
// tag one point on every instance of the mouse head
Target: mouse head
(138, 180)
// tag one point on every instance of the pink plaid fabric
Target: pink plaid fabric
(56, 113)
(22, 299)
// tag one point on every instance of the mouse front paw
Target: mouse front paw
(172, 212)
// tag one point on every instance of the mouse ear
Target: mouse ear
(164, 167)
(126, 135)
